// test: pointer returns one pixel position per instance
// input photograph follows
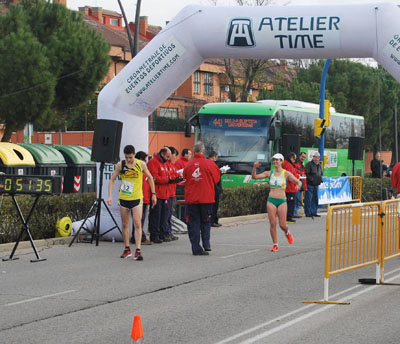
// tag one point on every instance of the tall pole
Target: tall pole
(396, 148)
(321, 143)
(137, 20)
(128, 31)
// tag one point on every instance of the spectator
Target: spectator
(213, 155)
(184, 159)
(157, 216)
(314, 179)
(395, 178)
(291, 188)
(180, 188)
(298, 201)
(201, 175)
(130, 197)
(174, 177)
(376, 166)
(146, 201)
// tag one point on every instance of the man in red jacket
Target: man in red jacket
(157, 216)
(184, 159)
(301, 170)
(201, 175)
(395, 178)
(291, 188)
(174, 177)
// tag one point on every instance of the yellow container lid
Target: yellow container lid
(12, 154)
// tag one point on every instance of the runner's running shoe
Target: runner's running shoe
(275, 248)
(138, 255)
(127, 253)
(289, 238)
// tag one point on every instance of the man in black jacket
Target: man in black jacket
(377, 166)
(314, 179)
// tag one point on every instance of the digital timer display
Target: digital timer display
(37, 185)
(235, 123)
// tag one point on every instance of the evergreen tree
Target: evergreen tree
(352, 88)
(60, 59)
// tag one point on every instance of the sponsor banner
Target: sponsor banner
(281, 32)
(334, 190)
(158, 62)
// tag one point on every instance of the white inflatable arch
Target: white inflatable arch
(201, 32)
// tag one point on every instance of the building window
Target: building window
(169, 113)
(113, 22)
(208, 83)
(196, 82)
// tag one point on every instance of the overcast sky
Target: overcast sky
(160, 11)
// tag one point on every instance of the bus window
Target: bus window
(236, 138)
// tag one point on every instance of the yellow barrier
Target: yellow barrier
(390, 233)
(359, 235)
(356, 188)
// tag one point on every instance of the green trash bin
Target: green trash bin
(48, 160)
(15, 159)
(80, 174)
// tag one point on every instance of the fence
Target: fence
(359, 235)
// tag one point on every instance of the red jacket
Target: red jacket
(159, 171)
(395, 178)
(172, 174)
(301, 170)
(290, 187)
(181, 163)
(201, 175)
(146, 190)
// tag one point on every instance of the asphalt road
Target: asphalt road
(241, 293)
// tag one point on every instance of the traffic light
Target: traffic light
(319, 128)
(327, 113)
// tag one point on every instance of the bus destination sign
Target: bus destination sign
(245, 123)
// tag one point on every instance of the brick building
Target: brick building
(209, 83)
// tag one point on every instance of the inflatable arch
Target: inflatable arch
(201, 32)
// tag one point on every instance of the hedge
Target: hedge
(243, 200)
(49, 209)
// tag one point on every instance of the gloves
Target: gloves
(176, 180)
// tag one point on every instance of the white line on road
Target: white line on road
(300, 318)
(39, 298)
(239, 254)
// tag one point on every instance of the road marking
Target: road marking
(239, 254)
(301, 317)
(39, 298)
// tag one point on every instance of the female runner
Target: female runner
(276, 203)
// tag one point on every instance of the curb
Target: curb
(38, 243)
(244, 218)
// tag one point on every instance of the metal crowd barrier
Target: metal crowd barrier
(359, 235)
(390, 233)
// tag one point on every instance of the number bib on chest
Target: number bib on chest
(127, 187)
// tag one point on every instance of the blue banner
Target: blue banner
(334, 190)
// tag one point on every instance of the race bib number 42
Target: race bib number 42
(126, 188)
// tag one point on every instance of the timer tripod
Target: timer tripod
(29, 185)
(97, 204)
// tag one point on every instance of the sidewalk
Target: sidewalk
(66, 240)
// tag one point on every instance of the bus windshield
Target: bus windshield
(236, 138)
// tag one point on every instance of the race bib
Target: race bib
(127, 188)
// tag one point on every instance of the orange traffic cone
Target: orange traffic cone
(137, 331)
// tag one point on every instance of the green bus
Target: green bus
(242, 133)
